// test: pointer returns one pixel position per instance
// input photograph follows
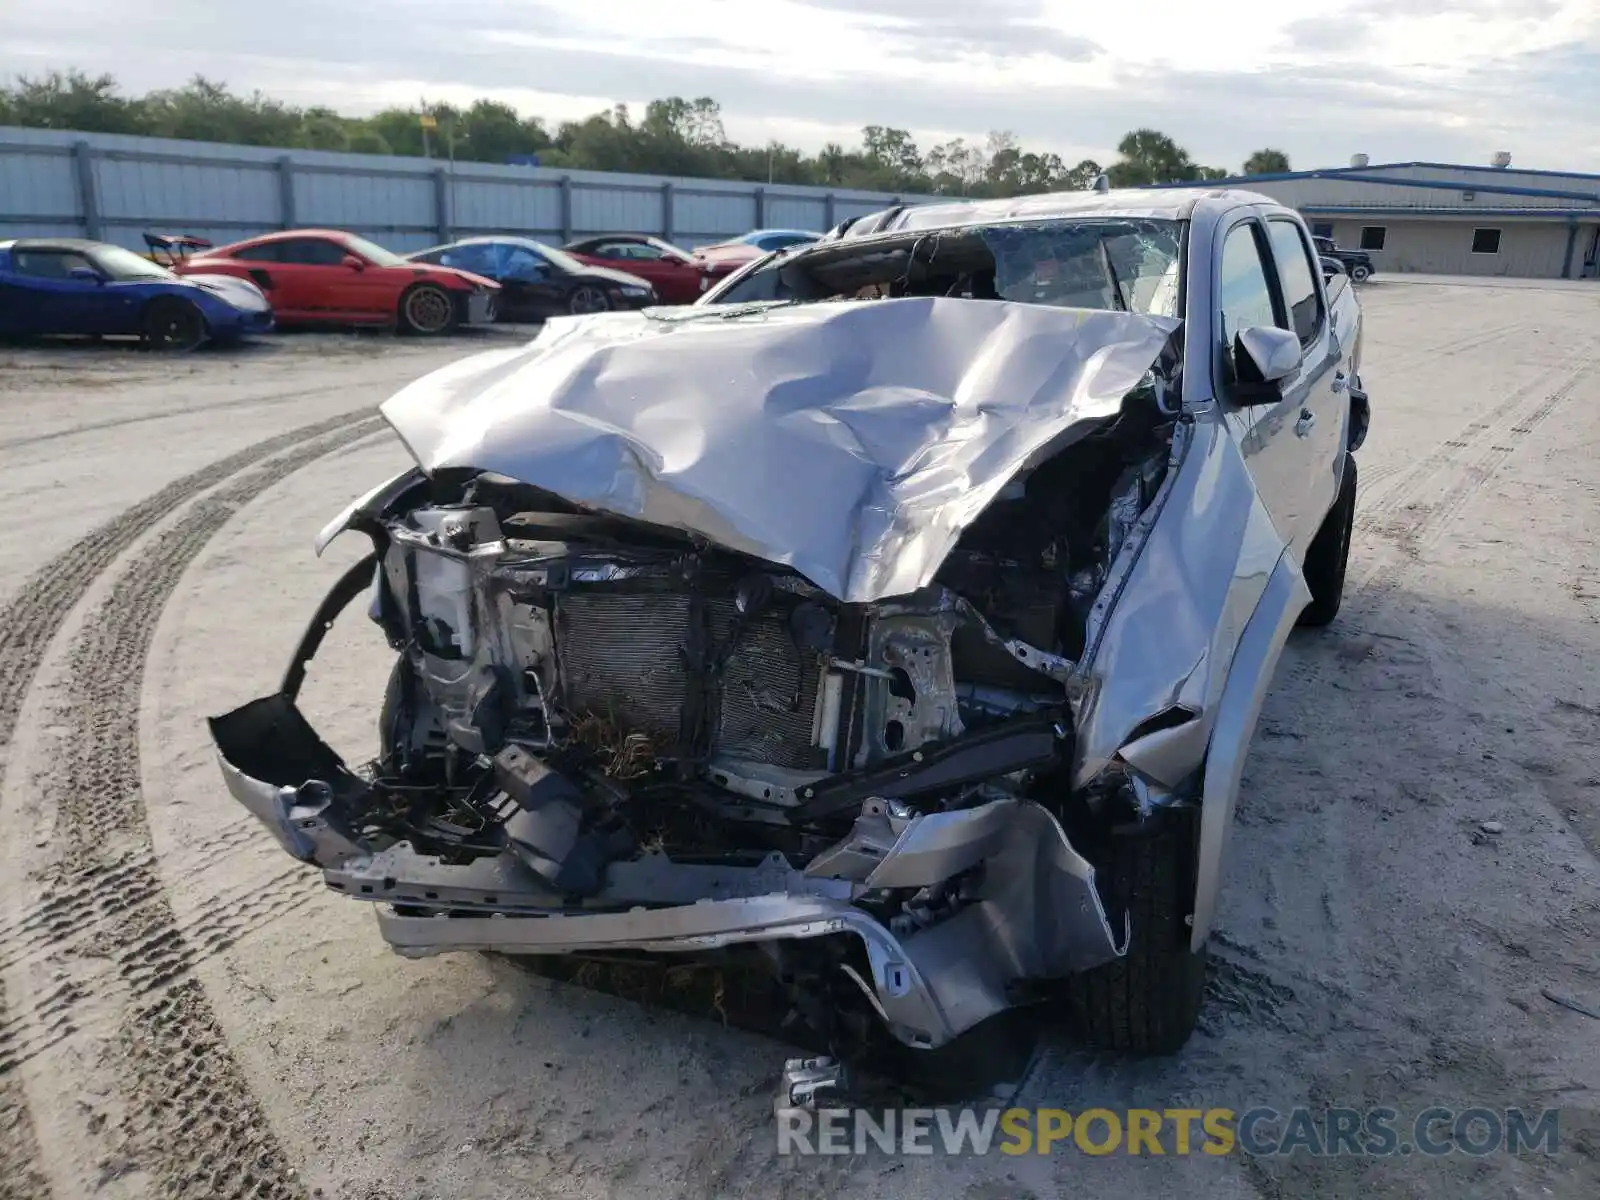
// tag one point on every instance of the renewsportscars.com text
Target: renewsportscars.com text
(1261, 1131)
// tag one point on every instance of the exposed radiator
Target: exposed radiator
(622, 656)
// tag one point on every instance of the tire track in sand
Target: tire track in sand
(28, 624)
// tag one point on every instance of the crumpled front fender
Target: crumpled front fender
(373, 504)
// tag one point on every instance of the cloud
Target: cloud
(951, 30)
(1358, 25)
(822, 73)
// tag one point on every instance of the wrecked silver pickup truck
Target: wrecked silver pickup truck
(899, 617)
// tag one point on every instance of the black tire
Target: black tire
(1360, 273)
(586, 298)
(1148, 1001)
(1329, 553)
(427, 311)
(172, 325)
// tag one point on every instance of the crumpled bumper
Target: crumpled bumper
(1034, 914)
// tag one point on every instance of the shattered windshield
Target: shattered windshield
(1131, 266)
(1126, 264)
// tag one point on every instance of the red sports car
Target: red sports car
(327, 277)
(674, 274)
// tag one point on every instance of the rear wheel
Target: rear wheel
(586, 298)
(1148, 1001)
(1329, 553)
(173, 325)
(427, 310)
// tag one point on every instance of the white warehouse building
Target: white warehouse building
(1445, 219)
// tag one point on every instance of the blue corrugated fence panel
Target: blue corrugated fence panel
(603, 210)
(38, 185)
(796, 212)
(181, 186)
(19, 229)
(132, 189)
(505, 207)
(703, 216)
(380, 201)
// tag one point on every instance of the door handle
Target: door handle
(1340, 380)
(1302, 427)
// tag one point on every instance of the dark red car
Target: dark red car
(675, 275)
(327, 277)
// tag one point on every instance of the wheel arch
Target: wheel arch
(153, 302)
(1250, 675)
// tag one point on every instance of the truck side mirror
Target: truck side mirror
(1263, 357)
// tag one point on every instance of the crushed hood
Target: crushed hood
(850, 441)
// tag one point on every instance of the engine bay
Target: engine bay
(582, 689)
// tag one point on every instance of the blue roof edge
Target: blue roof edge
(1361, 175)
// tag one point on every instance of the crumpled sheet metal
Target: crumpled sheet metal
(1170, 635)
(850, 441)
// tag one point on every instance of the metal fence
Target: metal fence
(114, 187)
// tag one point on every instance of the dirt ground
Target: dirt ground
(186, 1012)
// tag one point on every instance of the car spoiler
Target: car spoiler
(172, 247)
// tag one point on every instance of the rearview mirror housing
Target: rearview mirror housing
(1263, 357)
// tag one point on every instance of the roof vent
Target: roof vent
(1102, 183)
(1359, 160)
(1501, 159)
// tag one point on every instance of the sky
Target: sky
(1398, 80)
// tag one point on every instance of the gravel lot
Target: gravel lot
(185, 1012)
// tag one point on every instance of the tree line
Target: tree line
(673, 136)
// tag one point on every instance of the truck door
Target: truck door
(1287, 444)
(1316, 400)
(1246, 298)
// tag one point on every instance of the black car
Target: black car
(538, 281)
(1357, 263)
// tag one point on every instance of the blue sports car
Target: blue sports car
(72, 286)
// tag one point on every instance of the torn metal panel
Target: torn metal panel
(1168, 622)
(1037, 915)
(852, 442)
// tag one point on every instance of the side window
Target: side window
(477, 258)
(522, 263)
(48, 264)
(1244, 297)
(1300, 295)
(638, 251)
(311, 252)
(267, 252)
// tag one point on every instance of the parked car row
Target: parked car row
(185, 291)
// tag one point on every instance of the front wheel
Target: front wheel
(1361, 272)
(1329, 553)
(586, 299)
(1148, 1001)
(173, 325)
(427, 311)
